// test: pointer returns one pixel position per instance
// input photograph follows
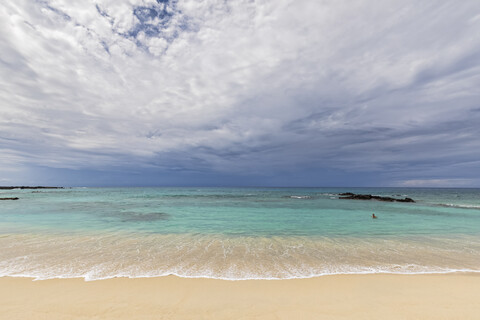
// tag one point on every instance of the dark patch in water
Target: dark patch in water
(139, 217)
(208, 196)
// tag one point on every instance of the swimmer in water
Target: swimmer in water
(374, 216)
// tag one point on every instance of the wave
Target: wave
(462, 206)
(92, 276)
(300, 197)
(238, 258)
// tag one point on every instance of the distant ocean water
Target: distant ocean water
(236, 233)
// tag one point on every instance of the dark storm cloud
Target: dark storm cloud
(321, 92)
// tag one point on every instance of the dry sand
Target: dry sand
(454, 296)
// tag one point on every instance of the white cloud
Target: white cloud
(240, 85)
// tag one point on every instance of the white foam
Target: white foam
(465, 206)
(236, 258)
(209, 274)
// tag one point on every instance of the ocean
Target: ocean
(236, 233)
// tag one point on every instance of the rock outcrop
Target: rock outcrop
(26, 187)
(353, 196)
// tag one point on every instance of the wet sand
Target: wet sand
(378, 296)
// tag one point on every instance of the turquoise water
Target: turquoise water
(236, 233)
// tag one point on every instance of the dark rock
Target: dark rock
(15, 198)
(352, 196)
(26, 187)
(358, 197)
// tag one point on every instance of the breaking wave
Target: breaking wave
(95, 257)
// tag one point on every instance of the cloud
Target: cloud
(439, 183)
(242, 87)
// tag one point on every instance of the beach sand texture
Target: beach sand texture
(377, 296)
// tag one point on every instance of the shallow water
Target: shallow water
(236, 233)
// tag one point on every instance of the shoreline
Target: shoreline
(389, 296)
(180, 276)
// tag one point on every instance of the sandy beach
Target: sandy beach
(450, 296)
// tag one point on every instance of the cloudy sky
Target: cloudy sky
(240, 92)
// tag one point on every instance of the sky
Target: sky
(240, 93)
